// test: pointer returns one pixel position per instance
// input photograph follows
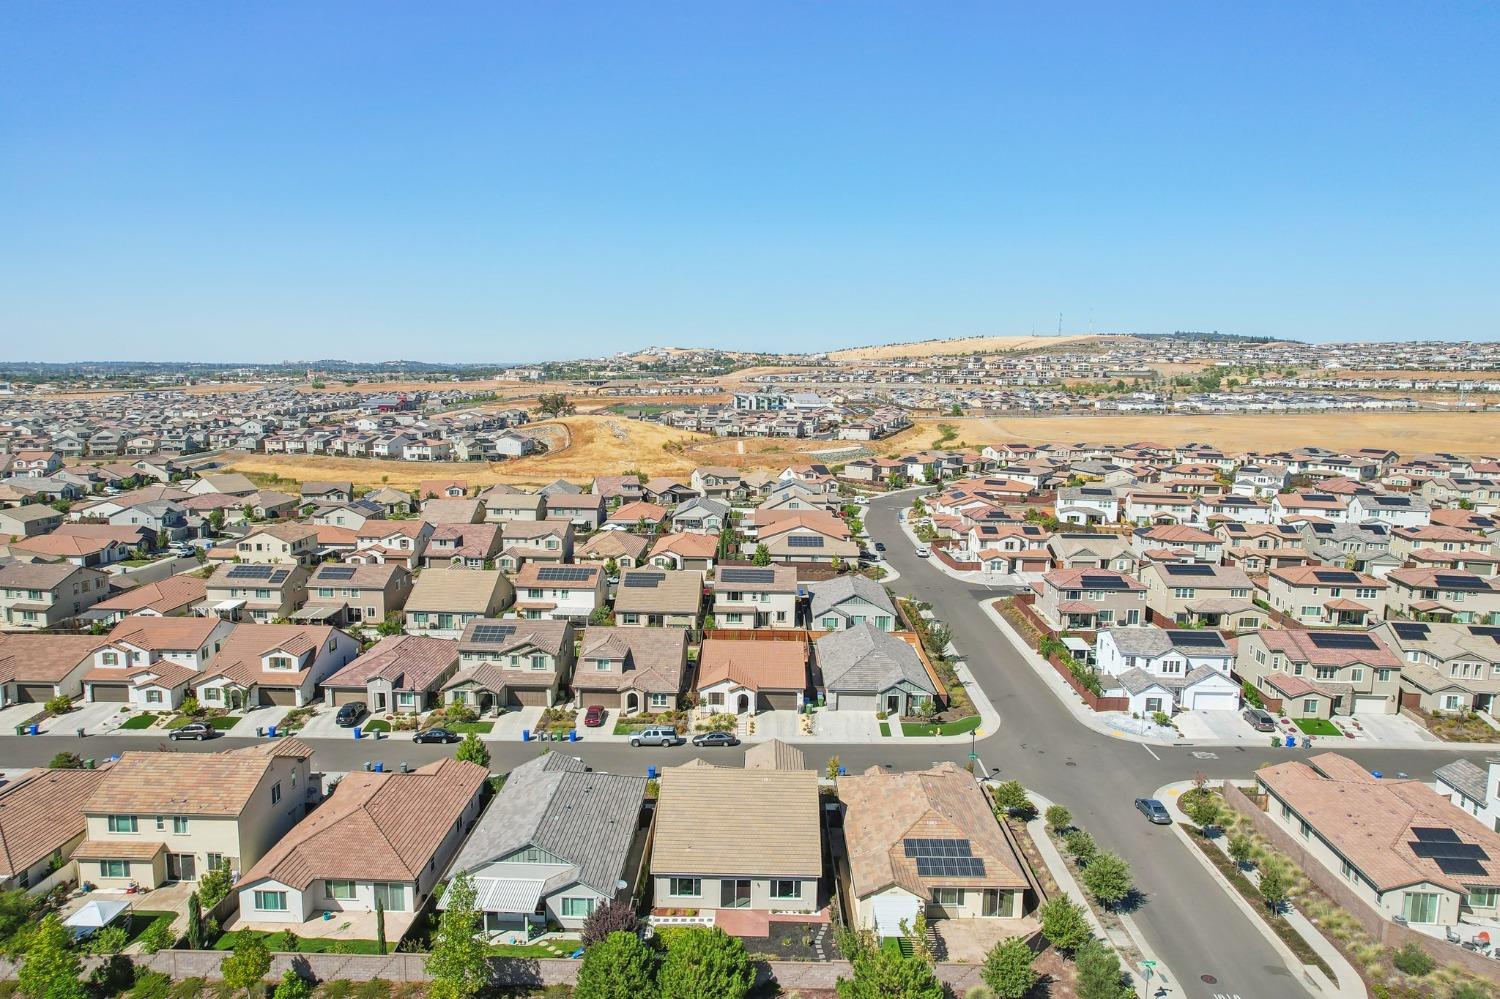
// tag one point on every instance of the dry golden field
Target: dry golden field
(962, 345)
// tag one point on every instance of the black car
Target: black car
(437, 734)
(197, 731)
(349, 714)
(879, 547)
(1153, 810)
(715, 739)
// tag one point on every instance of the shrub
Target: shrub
(618, 967)
(59, 705)
(1099, 973)
(612, 917)
(457, 713)
(109, 940)
(213, 886)
(1413, 960)
(1080, 846)
(1064, 924)
(150, 985)
(705, 963)
(158, 935)
(292, 986)
(1107, 878)
(1007, 969)
(1058, 818)
(190, 706)
(1011, 797)
(1162, 719)
(65, 761)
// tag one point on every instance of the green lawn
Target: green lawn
(885, 728)
(477, 727)
(306, 945)
(222, 723)
(1317, 726)
(139, 721)
(376, 725)
(961, 727)
(560, 948)
(630, 728)
(142, 918)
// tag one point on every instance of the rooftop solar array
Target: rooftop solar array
(1198, 639)
(336, 572)
(1335, 576)
(1189, 569)
(1457, 582)
(1105, 583)
(1336, 640)
(493, 633)
(748, 575)
(1411, 631)
(252, 572)
(950, 867)
(1318, 497)
(937, 848)
(1452, 854)
(565, 573)
(805, 541)
(643, 580)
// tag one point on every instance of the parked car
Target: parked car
(715, 739)
(594, 716)
(879, 546)
(661, 735)
(923, 553)
(197, 731)
(1259, 719)
(349, 714)
(1153, 810)
(437, 734)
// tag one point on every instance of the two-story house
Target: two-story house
(547, 541)
(444, 601)
(659, 597)
(631, 669)
(560, 592)
(254, 592)
(399, 541)
(755, 597)
(264, 664)
(349, 593)
(400, 673)
(151, 661)
(286, 544)
(1204, 593)
(1444, 595)
(37, 595)
(847, 601)
(1316, 674)
(463, 546)
(511, 663)
(1448, 667)
(1089, 599)
(1322, 596)
(1165, 670)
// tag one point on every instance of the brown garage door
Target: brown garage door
(524, 698)
(278, 695)
(34, 693)
(109, 692)
(778, 701)
(603, 698)
(337, 697)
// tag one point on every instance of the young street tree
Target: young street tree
(1107, 878)
(473, 750)
(1099, 973)
(1241, 848)
(1273, 887)
(705, 963)
(1012, 798)
(1007, 969)
(1064, 924)
(1203, 809)
(1058, 818)
(459, 962)
(618, 967)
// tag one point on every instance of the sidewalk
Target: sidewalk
(1349, 984)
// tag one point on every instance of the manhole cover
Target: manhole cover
(1209, 979)
(1070, 763)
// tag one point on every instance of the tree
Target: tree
(1012, 799)
(1240, 848)
(1058, 818)
(248, 966)
(194, 923)
(705, 963)
(726, 543)
(390, 625)
(833, 768)
(16, 910)
(65, 761)
(1064, 924)
(50, 969)
(554, 404)
(883, 974)
(380, 925)
(292, 986)
(473, 750)
(1007, 969)
(618, 967)
(216, 520)
(108, 940)
(762, 555)
(1080, 845)
(1273, 887)
(213, 886)
(916, 937)
(615, 916)
(458, 963)
(1107, 878)
(1202, 809)
(1099, 973)
(158, 935)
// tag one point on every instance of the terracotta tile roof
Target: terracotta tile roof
(613, 544)
(1299, 647)
(164, 596)
(40, 811)
(118, 849)
(188, 783)
(1371, 821)
(409, 662)
(1308, 575)
(883, 809)
(753, 665)
(1072, 579)
(529, 576)
(43, 658)
(382, 827)
(653, 659)
(478, 591)
(239, 658)
(773, 833)
(629, 513)
(162, 673)
(678, 591)
(161, 634)
(687, 545)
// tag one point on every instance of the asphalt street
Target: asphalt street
(1193, 927)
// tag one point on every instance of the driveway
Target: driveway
(508, 726)
(15, 714)
(1219, 726)
(1388, 729)
(259, 718)
(847, 726)
(94, 719)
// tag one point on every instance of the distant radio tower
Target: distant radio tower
(1059, 324)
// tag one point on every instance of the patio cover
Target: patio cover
(97, 914)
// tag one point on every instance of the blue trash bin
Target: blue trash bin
(359, 733)
(843, 771)
(651, 773)
(525, 735)
(33, 729)
(572, 735)
(379, 767)
(271, 732)
(1291, 742)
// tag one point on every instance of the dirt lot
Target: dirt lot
(964, 345)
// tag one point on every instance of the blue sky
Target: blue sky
(493, 181)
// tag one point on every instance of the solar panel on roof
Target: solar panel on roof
(251, 572)
(336, 572)
(747, 575)
(641, 580)
(1456, 582)
(950, 867)
(1431, 834)
(1486, 631)
(1456, 865)
(492, 632)
(1197, 639)
(1104, 583)
(805, 541)
(280, 574)
(1341, 576)
(1334, 640)
(1411, 632)
(921, 847)
(564, 573)
(1189, 569)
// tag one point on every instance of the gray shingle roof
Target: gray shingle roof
(832, 592)
(1465, 776)
(863, 659)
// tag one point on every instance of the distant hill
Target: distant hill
(964, 345)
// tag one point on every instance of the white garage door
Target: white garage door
(890, 910)
(854, 702)
(1214, 700)
(1368, 705)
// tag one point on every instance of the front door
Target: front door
(893, 704)
(735, 895)
(182, 867)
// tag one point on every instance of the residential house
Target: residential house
(631, 669)
(559, 841)
(927, 843)
(1089, 599)
(549, 541)
(1084, 505)
(471, 546)
(510, 663)
(175, 596)
(264, 664)
(617, 489)
(253, 592)
(400, 541)
(770, 858)
(37, 595)
(666, 491)
(1010, 548)
(444, 601)
(286, 544)
(453, 511)
(659, 597)
(1317, 674)
(804, 537)
(755, 597)
(29, 521)
(701, 516)
(684, 551)
(1162, 670)
(342, 593)
(1180, 541)
(1092, 551)
(41, 823)
(36, 668)
(866, 669)
(1205, 593)
(1379, 834)
(56, 547)
(1447, 668)
(639, 516)
(847, 601)
(1394, 510)
(716, 482)
(400, 673)
(1473, 788)
(585, 511)
(1322, 596)
(327, 492)
(381, 841)
(560, 592)
(162, 817)
(623, 549)
(747, 677)
(1440, 595)
(509, 506)
(151, 661)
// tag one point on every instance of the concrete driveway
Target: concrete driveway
(1387, 729)
(1219, 726)
(848, 726)
(259, 718)
(94, 719)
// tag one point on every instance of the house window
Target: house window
(539, 662)
(1420, 907)
(948, 898)
(1310, 706)
(114, 868)
(658, 700)
(342, 890)
(122, 824)
(275, 792)
(577, 908)
(153, 696)
(216, 861)
(179, 825)
(270, 901)
(684, 887)
(786, 889)
(1483, 898)
(883, 622)
(111, 659)
(830, 624)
